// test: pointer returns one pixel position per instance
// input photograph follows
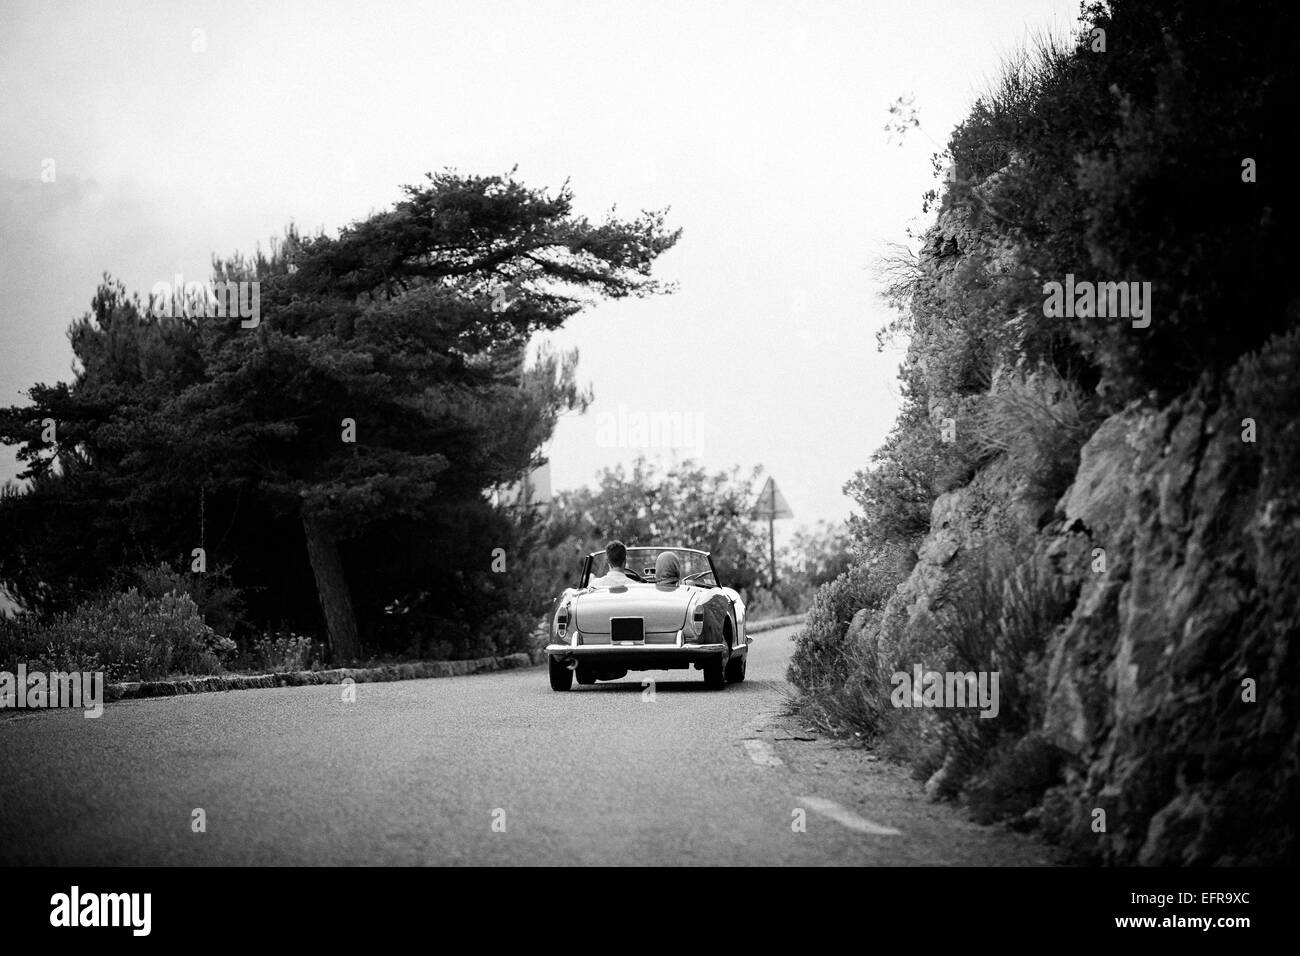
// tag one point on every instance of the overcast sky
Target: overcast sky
(759, 123)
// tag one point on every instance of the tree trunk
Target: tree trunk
(332, 589)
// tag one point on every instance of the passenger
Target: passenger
(668, 570)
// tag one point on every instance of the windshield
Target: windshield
(641, 561)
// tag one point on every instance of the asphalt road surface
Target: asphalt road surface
(486, 769)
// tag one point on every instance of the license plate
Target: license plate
(627, 630)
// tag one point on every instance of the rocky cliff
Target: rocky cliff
(1171, 681)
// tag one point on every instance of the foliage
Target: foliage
(1264, 383)
(767, 603)
(835, 669)
(219, 603)
(681, 504)
(1119, 165)
(1040, 418)
(127, 635)
(817, 555)
(183, 431)
(284, 652)
(1084, 161)
(1081, 161)
(896, 495)
(997, 620)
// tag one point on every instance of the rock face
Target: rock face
(1167, 692)
(961, 522)
(1150, 678)
(1173, 683)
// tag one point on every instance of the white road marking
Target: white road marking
(761, 752)
(831, 809)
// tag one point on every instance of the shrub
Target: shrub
(219, 602)
(897, 494)
(815, 556)
(998, 620)
(836, 671)
(1082, 163)
(1040, 418)
(1019, 774)
(126, 635)
(841, 690)
(286, 651)
(818, 645)
(765, 603)
(1263, 386)
(506, 632)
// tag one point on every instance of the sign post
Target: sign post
(771, 505)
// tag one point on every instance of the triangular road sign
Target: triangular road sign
(771, 503)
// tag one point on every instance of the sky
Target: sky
(140, 139)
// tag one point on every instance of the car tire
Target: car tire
(715, 677)
(561, 675)
(736, 668)
(586, 676)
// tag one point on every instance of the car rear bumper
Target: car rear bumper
(645, 657)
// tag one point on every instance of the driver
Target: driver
(617, 575)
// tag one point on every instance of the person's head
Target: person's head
(668, 569)
(616, 554)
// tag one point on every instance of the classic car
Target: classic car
(600, 632)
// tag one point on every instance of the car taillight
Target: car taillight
(562, 622)
(697, 622)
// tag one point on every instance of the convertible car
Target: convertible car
(600, 632)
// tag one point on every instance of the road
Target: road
(487, 769)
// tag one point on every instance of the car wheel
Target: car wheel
(561, 675)
(736, 668)
(715, 677)
(585, 675)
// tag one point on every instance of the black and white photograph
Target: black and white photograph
(778, 434)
